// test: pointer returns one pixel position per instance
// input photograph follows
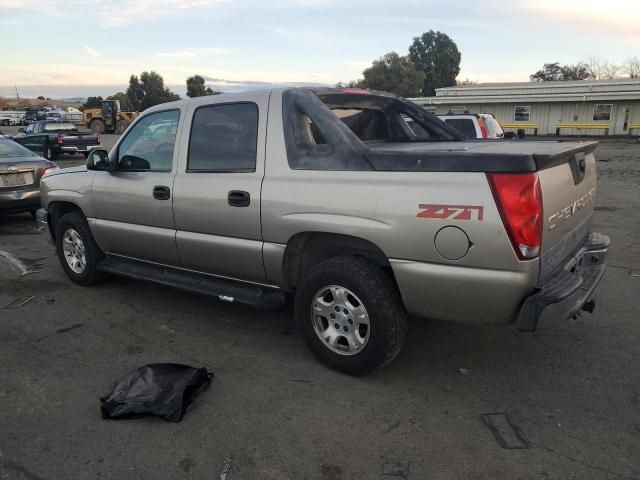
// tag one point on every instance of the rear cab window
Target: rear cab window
(368, 121)
(224, 138)
(466, 126)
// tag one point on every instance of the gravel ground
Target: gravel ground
(273, 412)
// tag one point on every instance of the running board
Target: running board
(223, 289)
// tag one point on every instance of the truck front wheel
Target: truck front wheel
(121, 126)
(77, 251)
(351, 315)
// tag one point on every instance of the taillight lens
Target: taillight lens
(60, 138)
(519, 199)
(48, 169)
(483, 127)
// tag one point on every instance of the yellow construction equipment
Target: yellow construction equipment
(108, 118)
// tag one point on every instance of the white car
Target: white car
(475, 125)
(6, 120)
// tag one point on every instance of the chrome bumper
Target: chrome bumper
(568, 290)
(74, 149)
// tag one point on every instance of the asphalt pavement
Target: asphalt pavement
(273, 412)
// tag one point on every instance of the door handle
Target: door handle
(160, 192)
(239, 198)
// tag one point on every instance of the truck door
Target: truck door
(217, 188)
(133, 204)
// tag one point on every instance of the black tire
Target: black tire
(93, 254)
(98, 126)
(121, 126)
(50, 153)
(381, 299)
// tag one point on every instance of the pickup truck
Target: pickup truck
(52, 138)
(360, 206)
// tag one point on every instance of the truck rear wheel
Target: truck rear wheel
(50, 153)
(121, 126)
(351, 315)
(98, 126)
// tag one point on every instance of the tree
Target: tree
(438, 57)
(631, 67)
(148, 90)
(92, 102)
(579, 71)
(41, 98)
(466, 82)
(602, 69)
(349, 84)
(393, 73)
(196, 88)
(556, 72)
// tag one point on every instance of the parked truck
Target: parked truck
(52, 138)
(359, 205)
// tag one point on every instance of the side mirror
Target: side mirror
(99, 160)
(21, 130)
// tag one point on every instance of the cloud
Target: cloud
(128, 12)
(194, 52)
(618, 19)
(92, 52)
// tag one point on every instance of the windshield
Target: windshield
(10, 149)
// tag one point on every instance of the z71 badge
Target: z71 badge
(452, 212)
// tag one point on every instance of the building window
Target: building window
(521, 113)
(602, 112)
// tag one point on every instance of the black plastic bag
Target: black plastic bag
(161, 389)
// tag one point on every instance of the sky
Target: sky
(68, 48)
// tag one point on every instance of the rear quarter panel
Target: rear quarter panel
(383, 208)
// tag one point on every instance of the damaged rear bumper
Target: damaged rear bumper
(568, 290)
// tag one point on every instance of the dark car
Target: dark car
(20, 174)
(54, 138)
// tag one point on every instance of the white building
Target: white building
(602, 107)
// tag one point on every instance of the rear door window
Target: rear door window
(224, 138)
(466, 126)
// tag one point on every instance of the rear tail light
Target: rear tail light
(48, 169)
(483, 128)
(60, 138)
(519, 200)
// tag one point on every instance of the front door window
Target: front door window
(150, 142)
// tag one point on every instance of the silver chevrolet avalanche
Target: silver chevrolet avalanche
(358, 204)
